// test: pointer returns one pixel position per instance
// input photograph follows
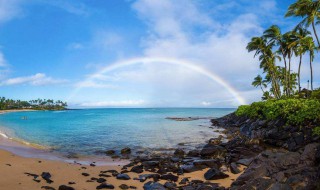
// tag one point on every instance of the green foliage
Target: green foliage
(316, 131)
(39, 104)
(294, 111)
(316, 94)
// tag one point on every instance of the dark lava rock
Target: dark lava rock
(170, 177)
(35, 176)
(132, 187)
(37, 180)
(110, 152)
(101, 180)
(46, 176)
(170, 185)
(85, 174)
(150, 163)
(179, 153)
(71, 183)
(234, 168)
(104, 175)
(123, 177)
(214, 173)
(47, 188)
(113, 172)
(92, 164)
(193, 153)
(213, 151)
(280, 186)
(184, 181)
(245, 162)
(137, 169)
(105, 186)
(144, 177)
(124, 186)
(64, 187)
(153, 186)
(126, 150)
(209, 163)
(192, 168)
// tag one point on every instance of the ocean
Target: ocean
(93, 131)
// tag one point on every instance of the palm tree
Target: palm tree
(267, 60)
(289, 40)
(300, 49)
(258, 81)
(309, 11)
(274, 35)
(310, 47)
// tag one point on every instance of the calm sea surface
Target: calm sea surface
(90, 131)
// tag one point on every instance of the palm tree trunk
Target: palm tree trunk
(315, 33)
(262, 89)
(289, 75)
(299, 79)
(311, 72)
(285, 72)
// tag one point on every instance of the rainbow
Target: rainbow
(148, 60)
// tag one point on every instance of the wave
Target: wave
(4, 135)
(23, 142)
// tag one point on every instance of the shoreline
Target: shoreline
(16, 110)
(59, 167)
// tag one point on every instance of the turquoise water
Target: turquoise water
(90, 131)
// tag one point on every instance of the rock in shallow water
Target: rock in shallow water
(126, 150)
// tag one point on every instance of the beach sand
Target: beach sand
(15, 110)
(13, 169)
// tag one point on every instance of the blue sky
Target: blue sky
(53, 48)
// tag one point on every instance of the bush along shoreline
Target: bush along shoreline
(286, 133)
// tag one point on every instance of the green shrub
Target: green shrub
(316, 131)
(294, 111)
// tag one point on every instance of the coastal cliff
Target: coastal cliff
(289, 156)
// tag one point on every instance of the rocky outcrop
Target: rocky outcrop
(278, 156)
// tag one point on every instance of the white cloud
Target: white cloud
(38, 79)
(9, 9)
(124, 103)
(218, 46)
(204, 103)
(76, 8)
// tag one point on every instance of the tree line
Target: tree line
(274, 46)
(39, 104)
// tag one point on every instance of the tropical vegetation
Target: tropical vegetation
(276, 52)
(39, 104)
(284, 97)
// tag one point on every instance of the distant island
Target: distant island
(38, 104)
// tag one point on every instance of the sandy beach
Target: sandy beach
(14, 167)
(20, 162)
